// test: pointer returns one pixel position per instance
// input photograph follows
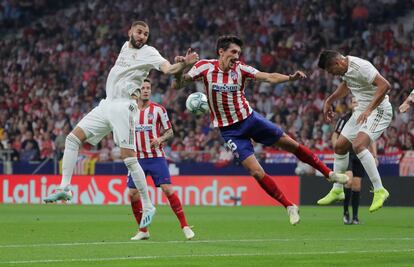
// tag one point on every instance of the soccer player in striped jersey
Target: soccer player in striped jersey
(369, 120)
(151, 119)
(116, 112)
(224, 81)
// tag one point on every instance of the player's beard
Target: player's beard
(135, 43)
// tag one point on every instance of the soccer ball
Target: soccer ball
(197, 103)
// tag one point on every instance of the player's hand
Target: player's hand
(298, 75)
(156, 142)
(363, 117)
(179, 59)
(328, 112)
(404, 107)
(191, 57)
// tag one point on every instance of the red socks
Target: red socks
(304, 154)
(175, 204)
(273, 190)
(137, 210)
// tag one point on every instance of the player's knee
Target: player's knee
(257, 173)
(358, 147)
(167, 189)
(340, 149)
(133, 194)
(127, 153)
(72, 142)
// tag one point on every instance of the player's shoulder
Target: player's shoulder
(149, 49)
(207, 62)
(158, 106)
(358, 63)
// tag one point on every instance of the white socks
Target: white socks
(138, 176)
(340, 165)
(370, 167)
(70, 157)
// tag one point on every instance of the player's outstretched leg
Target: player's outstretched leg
(70, 157)
(177, 208)
(138, 176)
(136, 205)
(304, 154)
(380, 193)
(274, 191)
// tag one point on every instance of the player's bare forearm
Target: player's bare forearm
(180, 81)
(278, 77)
(341, 91)
(188, 60)
(167, 135)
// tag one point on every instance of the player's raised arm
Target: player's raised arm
(189, 59)
(278, 77)
(341, 91)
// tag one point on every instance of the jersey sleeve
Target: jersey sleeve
(165, 121)
(368, 72)
(198, 70)
(248, 71)
(155, 59)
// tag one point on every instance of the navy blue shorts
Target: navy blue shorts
(157, 168)
(238, 136)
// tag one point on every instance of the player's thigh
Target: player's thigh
(263, 131)
(350, 130)
(377, 122)
(157, 168)
(95, 125)
(121, 116)
(241, 147)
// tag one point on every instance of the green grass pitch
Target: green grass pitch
(72, 235)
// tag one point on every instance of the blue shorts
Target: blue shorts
(237, 136)
(157, 168)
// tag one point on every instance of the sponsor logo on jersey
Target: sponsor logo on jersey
(143, 128)
(225, 87)
(233, 75)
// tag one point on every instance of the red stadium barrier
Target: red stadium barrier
(192, 190)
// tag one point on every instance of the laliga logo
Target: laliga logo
(92, 195)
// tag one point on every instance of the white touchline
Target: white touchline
(103, 243)
(207, 255)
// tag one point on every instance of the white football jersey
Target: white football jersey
(359, 77)
(131, 68)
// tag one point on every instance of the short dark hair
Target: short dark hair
(148, 80)
(139, 22)
(326, 57)
(226, 40)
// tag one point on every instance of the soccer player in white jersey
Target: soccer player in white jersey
(117, 112)
(369, 120)
(151, 119)
(224, 81)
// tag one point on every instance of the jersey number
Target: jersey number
(230, 145)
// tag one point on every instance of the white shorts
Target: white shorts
(377, 122)
(117, 116)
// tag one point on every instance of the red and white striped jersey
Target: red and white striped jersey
(225, 90)
(147, 127)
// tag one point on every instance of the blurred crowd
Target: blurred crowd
(54, 60)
